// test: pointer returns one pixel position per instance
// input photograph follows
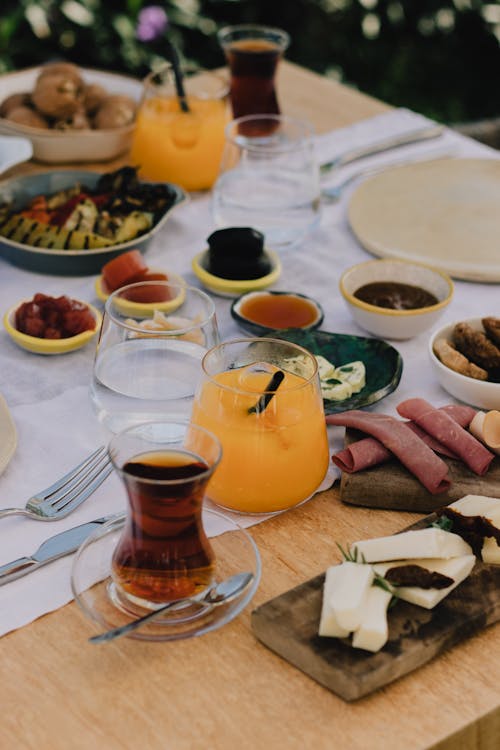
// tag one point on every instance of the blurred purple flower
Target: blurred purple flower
(151, 24)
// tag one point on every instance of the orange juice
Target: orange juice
(180, 147)
(271, 460)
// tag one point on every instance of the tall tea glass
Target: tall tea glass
(253, 53)
(262, 399)
(148, 358)
(163, 553)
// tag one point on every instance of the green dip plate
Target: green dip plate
(383, 363)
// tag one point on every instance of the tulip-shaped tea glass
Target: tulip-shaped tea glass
(262, 399)
(163, 553)
(269, 182)
(253, 53)
(148, 359)
(178, 146)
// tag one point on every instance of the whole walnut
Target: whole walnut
(26, 116)
(13, 101)
(115, 112)
(57, 95)
(78, 121)
(62, 68)
(93, 97)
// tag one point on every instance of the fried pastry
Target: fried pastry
(492, 328)
(476, 346)
(456, 361)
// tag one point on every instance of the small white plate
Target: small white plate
(8, 435)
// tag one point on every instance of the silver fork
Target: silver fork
(62, 497)
(333, 193)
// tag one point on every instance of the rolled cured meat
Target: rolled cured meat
(399, 439)
(442, 427)
(369, 451)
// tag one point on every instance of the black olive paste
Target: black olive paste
(395, 295)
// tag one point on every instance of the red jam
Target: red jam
(53, 317)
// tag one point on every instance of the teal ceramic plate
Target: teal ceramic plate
(382, 361)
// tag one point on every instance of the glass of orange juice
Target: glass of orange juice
(262, 399)
(172, 145)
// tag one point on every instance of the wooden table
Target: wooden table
(226, 690)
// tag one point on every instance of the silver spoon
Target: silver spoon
(222, 593)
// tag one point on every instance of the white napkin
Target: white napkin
(48, 396)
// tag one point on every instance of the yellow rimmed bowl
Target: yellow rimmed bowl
(102, 293)
(50, 346)
(234, 287)
(395, 324)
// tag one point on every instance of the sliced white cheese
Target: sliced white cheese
(353, 373)
(328, 624)
(349, 593)
(457, 568)
(325, 368)
(430, 542)
(373, 629)
(490, 551)
(476, 505)
(488, 507)
(335, 389)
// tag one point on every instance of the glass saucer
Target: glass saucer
(235, 552)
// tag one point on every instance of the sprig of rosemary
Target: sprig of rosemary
(357, 557)
(442, 522)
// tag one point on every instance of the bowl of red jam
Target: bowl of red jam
(395, 299)
(52, 325)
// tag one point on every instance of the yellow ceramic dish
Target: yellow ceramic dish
(388, 323)
(234, 287)
(144, 309)
(49, 346)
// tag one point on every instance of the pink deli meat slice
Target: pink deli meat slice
(442, 427)
(397, 437)
(370, 452)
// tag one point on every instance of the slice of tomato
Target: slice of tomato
(148, 275)
(120, 270)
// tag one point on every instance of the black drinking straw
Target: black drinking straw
(179, 83)
(271, 389)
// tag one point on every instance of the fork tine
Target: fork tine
(78, 481)
(45, 494)
(71, 501)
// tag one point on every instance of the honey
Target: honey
(279, 310)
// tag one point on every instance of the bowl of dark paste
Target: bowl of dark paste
(395, 299)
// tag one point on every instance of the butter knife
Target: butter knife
(415, 136)
(52, 549)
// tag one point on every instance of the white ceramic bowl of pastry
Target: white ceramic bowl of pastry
(389, 323)
(481, 393)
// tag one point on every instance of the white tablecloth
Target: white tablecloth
(48, 396)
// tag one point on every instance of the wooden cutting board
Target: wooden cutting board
(392, 487)
(288, 624)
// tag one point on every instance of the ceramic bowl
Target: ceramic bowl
(395, 324)
(20, 190)
(258, 329)
(234, 287)
(71, 146)
(103, 292)
(49, 346)
(480, 393)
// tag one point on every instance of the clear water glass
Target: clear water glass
(148, 358)
(269, 179)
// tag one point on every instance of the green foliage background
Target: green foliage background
(439, 57)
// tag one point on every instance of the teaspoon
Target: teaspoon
(222, 593)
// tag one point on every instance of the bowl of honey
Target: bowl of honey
(259, 312)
